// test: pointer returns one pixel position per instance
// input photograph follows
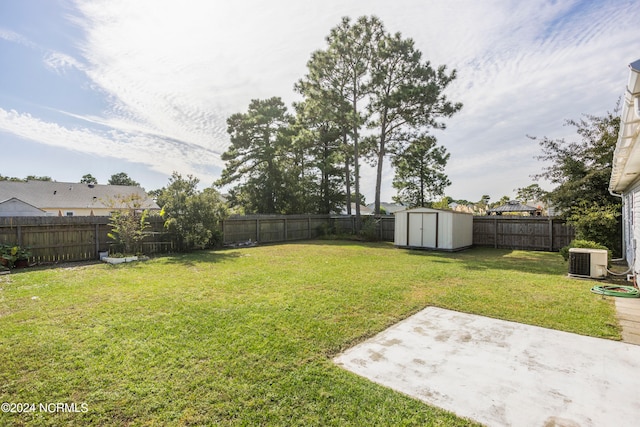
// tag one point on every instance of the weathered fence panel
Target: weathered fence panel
(527, 233)
(272, 228)
(54, 239)
(284, 228)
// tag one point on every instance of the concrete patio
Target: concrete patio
(503, 373)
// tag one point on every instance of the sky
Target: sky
(145, 87)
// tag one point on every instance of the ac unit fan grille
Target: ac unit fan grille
(579, 263)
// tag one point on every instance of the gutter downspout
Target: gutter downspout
(624, 242)
(631, 264)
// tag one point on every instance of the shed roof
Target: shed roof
(427, 210)
(513, 206)
(626, 158)
(60, 195)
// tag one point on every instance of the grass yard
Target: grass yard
(246, 336)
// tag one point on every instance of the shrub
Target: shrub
(369, 231)
(128, 222)
(193, 217)
(587, 244)
(12, 253)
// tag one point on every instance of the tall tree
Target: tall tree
(531, 193)
(122, 178)
(321, 139)
(406, 94)
(340, 77)
(581, 171)
(420, 176)
(256, 158)
(88, 179)
(355, 46)
(326, 105)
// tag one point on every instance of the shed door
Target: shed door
(423, 229)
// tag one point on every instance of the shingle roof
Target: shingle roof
(58, 195)
(513, 206)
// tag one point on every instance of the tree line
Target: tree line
(120, 178)
(367, 97)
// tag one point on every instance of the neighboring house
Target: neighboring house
(625, 174)
(16, 207)
(363, 210)
(457, 207)
(389, 208)
(71, 199)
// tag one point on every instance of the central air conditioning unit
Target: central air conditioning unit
(591, 263)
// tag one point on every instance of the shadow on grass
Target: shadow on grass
(484, 259)
(206, 256)
(187, 259)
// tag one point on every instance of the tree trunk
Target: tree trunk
(347, 172)
(381, 153)
(356, 165)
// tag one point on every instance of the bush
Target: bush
(369, 231)
(128, 222)
(587, 244)
(9, 254)
(598, 223)
(193, 217)
(325, 229)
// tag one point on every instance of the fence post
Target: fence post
(495, 232)
(19, 235)
(96, 238)
(257, 229)
(550, 235)
(286, 231)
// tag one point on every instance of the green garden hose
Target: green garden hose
(617, 291)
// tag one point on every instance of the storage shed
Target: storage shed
(426, 228)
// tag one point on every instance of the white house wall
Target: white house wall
(632, 252)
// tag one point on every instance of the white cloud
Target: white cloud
(12, 36)
(60, 62)
(159, 154)
(173, 71)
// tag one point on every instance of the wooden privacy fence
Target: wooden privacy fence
(527, 233)
(284, 228)
(53, 239)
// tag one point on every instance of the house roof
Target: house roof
(626, 158)
(363, 210)
(513, 206)
(388, 207)
(65, 195)
(15, 206)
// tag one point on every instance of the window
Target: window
(69, 213)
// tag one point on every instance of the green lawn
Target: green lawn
(246, 336)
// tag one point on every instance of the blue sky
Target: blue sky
(145, 86)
